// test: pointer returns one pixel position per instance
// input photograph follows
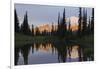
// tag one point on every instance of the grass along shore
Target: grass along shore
(21, 39)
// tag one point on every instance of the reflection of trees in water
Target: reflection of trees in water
(88, 53)
(37, 45)
(43, 46)
(33, 47)
(54, 50)
(80, 54)
(62, 49)
(25, 52)
(16, 55)
(69, 50)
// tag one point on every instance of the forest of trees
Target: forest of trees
(85, 25)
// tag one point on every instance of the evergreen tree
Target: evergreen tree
(89, 26)
(44, 32)
(80, 22)
(37, 32)
(52, 31)
(25, 27)
(16, 21)
(58, 24)
(92, 21)
(69, 28)
(32, 29)
(63, 26)
(84, 29)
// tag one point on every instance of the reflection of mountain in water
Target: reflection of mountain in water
(66, 52)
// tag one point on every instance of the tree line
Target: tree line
(85, 25)
(24, 28)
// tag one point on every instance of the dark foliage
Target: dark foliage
(80, 22)
(32, 30)
(16, 21)
(92, 21)
(25, 29)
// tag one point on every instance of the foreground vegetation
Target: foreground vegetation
(88, 39)
(21, 39)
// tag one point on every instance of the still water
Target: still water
(52, 52)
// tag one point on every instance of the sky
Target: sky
(46, 14)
